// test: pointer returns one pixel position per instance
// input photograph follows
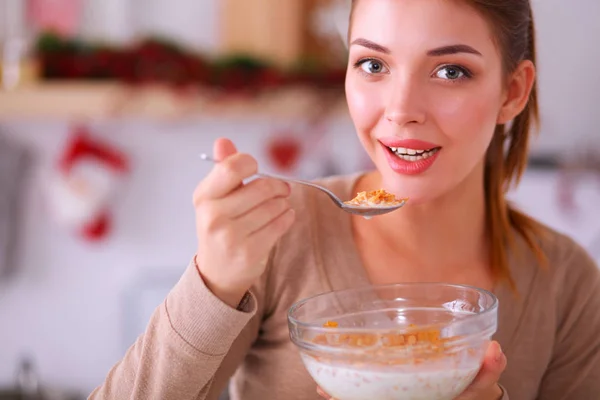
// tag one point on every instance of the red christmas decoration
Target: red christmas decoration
(284, 152)
(153, 61)
(81, 189)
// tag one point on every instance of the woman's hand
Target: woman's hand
(485, 385)
(237, 225)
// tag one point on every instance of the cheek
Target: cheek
(468, 118)
(365, 104)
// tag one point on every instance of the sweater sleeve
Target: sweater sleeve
(185, 342)
(504, 393)
(574, 370)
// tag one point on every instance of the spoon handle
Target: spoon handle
(206, 157)
(333, 197)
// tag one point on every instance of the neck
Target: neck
(448, 232)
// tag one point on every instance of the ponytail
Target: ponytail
(506, 160)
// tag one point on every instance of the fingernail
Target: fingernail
(499, 353)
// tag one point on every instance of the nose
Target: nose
(405, 103)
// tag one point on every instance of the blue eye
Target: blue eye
(452, 73)
(372, 67)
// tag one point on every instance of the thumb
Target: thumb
(493, 366)
(223, 148)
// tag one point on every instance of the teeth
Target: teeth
(406, 151)
(413, 155)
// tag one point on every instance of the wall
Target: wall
(569, 84)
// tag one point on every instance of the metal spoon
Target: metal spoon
(364, 211)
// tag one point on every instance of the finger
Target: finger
(494, 364)
(223, 148)
(226, 176)
(254, 194)
(273, 230)
(262, 215)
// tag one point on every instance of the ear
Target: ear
(519, 87)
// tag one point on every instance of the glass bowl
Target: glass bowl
(409, 341)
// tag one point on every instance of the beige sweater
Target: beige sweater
(194, 343)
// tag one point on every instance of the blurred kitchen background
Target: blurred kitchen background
(105, 106)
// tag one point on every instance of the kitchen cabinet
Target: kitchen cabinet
(283, 32)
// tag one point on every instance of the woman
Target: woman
(431, 85)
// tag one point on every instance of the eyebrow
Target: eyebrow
(437, 52)
(453, 49)
(371, 45)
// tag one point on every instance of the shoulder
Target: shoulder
(574, 303)
(571, 276)
(568, 260)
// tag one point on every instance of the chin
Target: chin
(419, 189)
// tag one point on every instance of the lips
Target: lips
(410, 156)
(414, 144)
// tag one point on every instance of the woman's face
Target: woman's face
(425, 90)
